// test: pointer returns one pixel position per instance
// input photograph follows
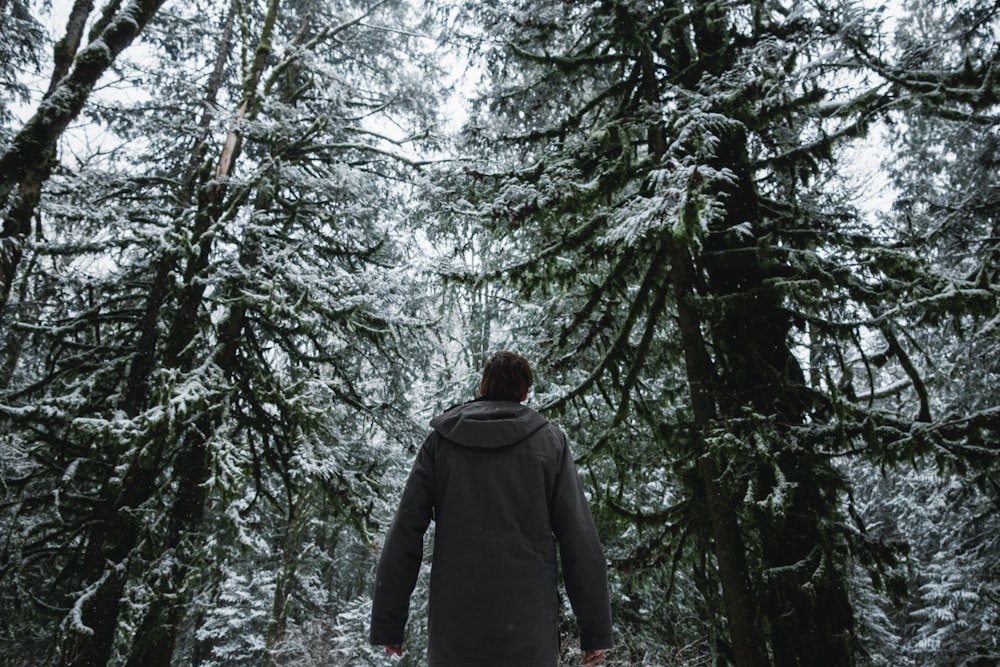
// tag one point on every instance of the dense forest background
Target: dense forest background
(249, 248)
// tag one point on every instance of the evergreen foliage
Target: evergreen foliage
(21, 39)
(241, 267)
(727, 335)
(943, 167)
(216, 331)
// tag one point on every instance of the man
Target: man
(500, 483)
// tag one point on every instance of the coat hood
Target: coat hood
(488, 423)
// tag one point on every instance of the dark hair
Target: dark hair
(506, 377)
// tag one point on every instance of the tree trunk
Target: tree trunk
(17, 222)
(758, 373)
(154, 639)
(28, 160)
(103, 569)
(740, 607)
(747, 641)
(144, 358)
(154, 642)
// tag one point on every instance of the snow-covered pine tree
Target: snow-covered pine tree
(718, 323)
(221, 335)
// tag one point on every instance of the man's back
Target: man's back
(499, 482)
(494, 576)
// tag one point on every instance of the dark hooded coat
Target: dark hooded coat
(501, 486)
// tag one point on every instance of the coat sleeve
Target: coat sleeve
(584, 569)
(402, 553)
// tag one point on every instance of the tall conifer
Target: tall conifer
(720, 321)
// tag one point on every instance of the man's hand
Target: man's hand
(593, 656)
(394, 649)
